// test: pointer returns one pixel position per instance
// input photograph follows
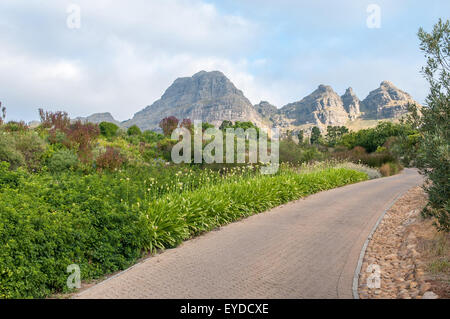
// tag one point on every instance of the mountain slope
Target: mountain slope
(387, 101)
(206, 96)
(322, 107)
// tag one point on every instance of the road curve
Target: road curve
(305, 249)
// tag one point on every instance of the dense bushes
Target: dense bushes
(372, 138)
(22, 149)
(359, 155)
(293, 153)
(8, 152)
(104, 222)
(111, 159)
(62, 160)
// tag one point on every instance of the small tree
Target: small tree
(108, 129)
(300, 136)
(433, 158)
(134, 131)
(81, 137)
(54, 120)
(187, 123)
(168, 124)
(225, 124)
(315, 135)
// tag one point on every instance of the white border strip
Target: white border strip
(366, 243)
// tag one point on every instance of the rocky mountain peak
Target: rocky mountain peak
(387, 101)
(322, 107)
(351, 104)
(206, 96)
(98, 118)
(266, 109)
(325, 88)
(387, 84)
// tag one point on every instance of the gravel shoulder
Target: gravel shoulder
(411, 257)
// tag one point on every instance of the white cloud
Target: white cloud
(121, 59)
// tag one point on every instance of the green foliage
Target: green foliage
(359, 155)
(62, 160)
(108, 130)
(433, 155)
(151, 137)
(315, 135)
(290, 152)
(334, 133)
(32, 148)
(372, 138)
(134, 130)
(105, 222)
(226, 124)
(301, 136)
(8, 151)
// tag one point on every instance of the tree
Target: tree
(168, 124)
(2, 114)
(334, 133)
(315, 135)
(225, 124)
(187, 124)
(108, 129)
(206, 125)
(433, 157)
(134, 131)
(301, 136)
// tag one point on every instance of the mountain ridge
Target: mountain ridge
(212, 97)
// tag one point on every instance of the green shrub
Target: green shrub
(32, 148)
(290, 152)
(108, 129)
(62, 160)
(8, 151)
(151, 137)
(134, 130)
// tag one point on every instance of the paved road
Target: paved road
(305, 249)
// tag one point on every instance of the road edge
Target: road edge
(366, 243)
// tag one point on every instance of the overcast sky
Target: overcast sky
(126, 53)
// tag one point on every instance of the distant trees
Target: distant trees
(334, 133)
(372, 138)
(225, 124)
(315, 135)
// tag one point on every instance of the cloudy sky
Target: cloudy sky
(126, 53)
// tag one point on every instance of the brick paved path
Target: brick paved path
(305, 249)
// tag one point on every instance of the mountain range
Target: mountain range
(212, 97)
